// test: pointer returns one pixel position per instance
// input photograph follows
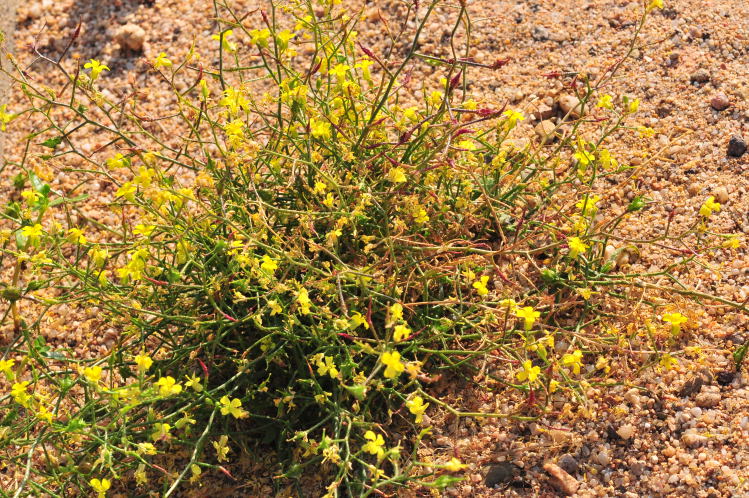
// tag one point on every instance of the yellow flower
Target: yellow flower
(732, 242)
(144, 230)
(33, 233)
(607, 161)
(303, 300)
(18, 391)
(260, 37)
(326, 365)
(668, 362)
(574, 360)
(417, 407)
(225, 43)
(401, 332)
(709, 206)
(576, 246)
(118, 161)
(98, 256)
(655, 4)
(233, 407)
(319, 129)
(195, 470)
(633, 105)
(161, 61)
(269, 264)
(420, 215)
(645, 131)
(76, 236)
(340, 71)
(147, 449)
(454, 465)
(605, 101)
(397, 175)
(5, 117)
(529, 372)
(222, 448)
(283, 38)
(374, 444)
(193, 383)
(100, 486)
(675, 319)
(96, 68)
(140, 475)
(392, 360)
(436, 98)
(144, 362)
(168, 386)
(396, 312)
(6, 366)
(512, 118)
(480, 285)
(92, 374)
(529, 315)
(161, 432)
(587, 205)
(358, 320)
(127, 190)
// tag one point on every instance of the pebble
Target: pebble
(500, 473)
(539, 33)
(568, 463)
(721, 194)
(561, 480)
(569, 104)
(543, 112)
(707, 399)
(626, 431)
(603, 457)
(545, 131)
(720, 102)
(131, 36)
(693, 440)
(700, 76)
(736, 146)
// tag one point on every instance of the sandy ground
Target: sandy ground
(680, 433)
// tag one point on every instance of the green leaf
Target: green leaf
(443, 482)
(739, 354)
(636, 204)
(52, 143)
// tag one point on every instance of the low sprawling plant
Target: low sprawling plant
(302, 245)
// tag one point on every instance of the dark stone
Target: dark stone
(691, 386)
(569, 464)
(500, 473)
(726, 377)
(611, 433)
(736, 146)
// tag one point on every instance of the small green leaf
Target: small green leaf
(52, 143)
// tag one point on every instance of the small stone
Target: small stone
(500, 473)
(569, 104)
(726, 377)
(561, 480)
(693, 440)
(721, 194)
(637, 468)
(736, 146)
(668, 452)
(131, 36)
(626, 431)
(707, 399)
(568, 463)
(545, 131)
(539, 33)
(720, 102)
(544, 111)
(700, 76)
(603, 457)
